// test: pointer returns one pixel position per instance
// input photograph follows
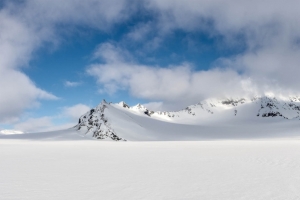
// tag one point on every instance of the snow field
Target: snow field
(254, 169)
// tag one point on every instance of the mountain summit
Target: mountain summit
(255, 117)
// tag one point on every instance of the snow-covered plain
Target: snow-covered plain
(239, 169)
(212, 150)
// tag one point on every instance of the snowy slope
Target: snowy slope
(212, 119)
(259, 117)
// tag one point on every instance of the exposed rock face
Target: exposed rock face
(97, 124)
(272, 107)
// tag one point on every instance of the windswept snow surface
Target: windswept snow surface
(229, 170)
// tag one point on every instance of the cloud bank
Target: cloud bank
(17, 91)
(267, 31)
(26, 26)
(171, 84)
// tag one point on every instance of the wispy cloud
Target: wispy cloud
(72, 84)
(68, 115)
(74, 112)
(34, 124)
(10, 132)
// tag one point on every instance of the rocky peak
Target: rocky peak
(96, 124)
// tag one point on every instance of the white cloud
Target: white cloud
(41, 124)
(155, 106)
(10, 132)
(74, 112)
(140, 31)
(72, 84)
(25, 26)
(17, 93)
(69, 116)
(98, 14)
(229, 17)
(180, 84)
(34, 124)
(269, 31)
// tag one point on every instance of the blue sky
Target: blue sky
(58, 59)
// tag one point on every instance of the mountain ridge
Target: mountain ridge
(99, 123)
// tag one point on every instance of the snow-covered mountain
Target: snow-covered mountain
(228, 118)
